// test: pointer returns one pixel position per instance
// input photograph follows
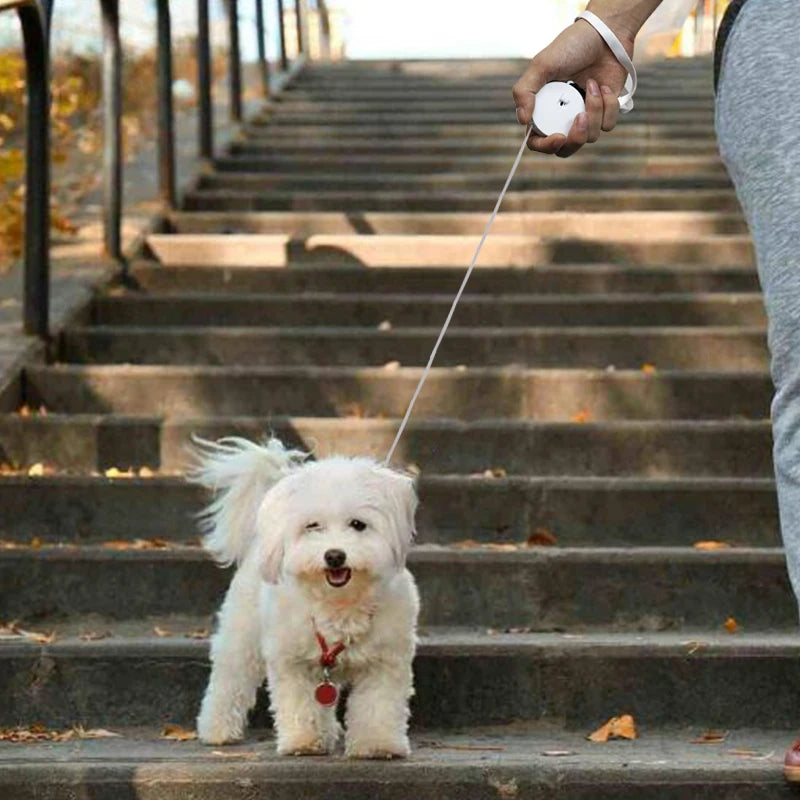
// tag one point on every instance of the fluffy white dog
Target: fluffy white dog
(321, 597)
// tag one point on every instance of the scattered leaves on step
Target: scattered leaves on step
(581, 417)
(34, 733)
(710, 737)
(503, 788)
(156, 543)
(541, 537)
(386, 325)
(711, 545)
(648, 369)
(177, 734)
(731, 625)
(202, 633)
(115, 472)
(94, 636)
(162, 633)
(558, 753)
(12, 631)
(622, 727)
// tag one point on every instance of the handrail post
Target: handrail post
(37, 172)
(235, 61)
(204, 78)
(263, 65)
(112, 132)
(166, 122)
(282, 29)
(298, 15)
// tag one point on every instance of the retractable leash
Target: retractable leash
(557, 105)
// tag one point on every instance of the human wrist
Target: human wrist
(624, 17)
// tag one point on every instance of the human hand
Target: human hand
(577, 54)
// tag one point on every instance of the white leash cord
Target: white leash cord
(457, 298)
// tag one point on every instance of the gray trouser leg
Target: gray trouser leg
(758, 128)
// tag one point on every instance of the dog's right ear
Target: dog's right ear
(273, 521)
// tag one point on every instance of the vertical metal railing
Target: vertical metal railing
(34, 16)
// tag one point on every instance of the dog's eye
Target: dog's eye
(357, 525)
(313, 526)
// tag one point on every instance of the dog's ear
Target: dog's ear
(400, 495)
(272, 521)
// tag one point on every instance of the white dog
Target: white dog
(321, 597)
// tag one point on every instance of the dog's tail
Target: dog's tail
(240, 472)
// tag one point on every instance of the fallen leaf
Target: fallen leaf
(751, 754)
(162, 633)
(391, 366)
(495, 472)
(465, 544)
(156, 543)
(711, 545)
(36, 543)
(95, 636)
(693, 646)
(622, 727)
(541, 537)
(13, 631)
(386, 325)
(146, 472)
(177, 734)
(502, 547)
(648, 369)
(731, 625)
(95, 733)
(114, 472)
(710, 737)
(24, 411)
(36, 470)
(581, 417)
(203, 633)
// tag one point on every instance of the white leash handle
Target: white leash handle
(614, 44)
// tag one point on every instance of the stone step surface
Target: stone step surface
(695, 348)
(536, 588)
(540, 279)
(462, 678)
(521, 761)
(507, 392)
(588, 511)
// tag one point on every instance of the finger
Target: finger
(525, 89)
(610, 108)
(546, 144)
(594, 110)
(577, 136)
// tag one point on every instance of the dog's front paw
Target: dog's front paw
(386, 750)
(218, 736)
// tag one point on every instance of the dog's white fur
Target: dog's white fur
(267, 499)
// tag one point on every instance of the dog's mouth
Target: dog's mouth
(338, 577)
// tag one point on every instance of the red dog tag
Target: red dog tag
(326, 693)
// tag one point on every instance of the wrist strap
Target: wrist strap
(614, 44)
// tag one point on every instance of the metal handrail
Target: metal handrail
(35, 16)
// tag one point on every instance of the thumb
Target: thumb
(525, 91)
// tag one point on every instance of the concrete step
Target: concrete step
(607, 512)
(705, 348)
(636, 224)
(465, 165)
(644, 449)
(466, 394)
(260, 143)
(544, 279)
(386, 199)
(718, 680)
(410, 310)
(525, 762)
(543, 175)
(274, 250)
(543, 589)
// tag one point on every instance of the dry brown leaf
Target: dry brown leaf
(177, 734)
(146, 472)
(466, 544)
(622, 727)
(162, 633)
(386, 325)
(495, 472)
(156, 543)
(693, 646)
(202, 633)
(24, 411)
(114, 472)
(36, 543)
(501, 547)
(648, 369)
(36, 470)
(711, 545)
(391, 366)
(13, 631)
(95, 733)
(581, 417)
(731, 625)
(95, 636)
(710, 737)
(541, 537)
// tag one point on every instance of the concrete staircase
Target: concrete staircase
(605, 383)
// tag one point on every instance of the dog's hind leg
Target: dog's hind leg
(237, 666)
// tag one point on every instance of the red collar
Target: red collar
(328, 655)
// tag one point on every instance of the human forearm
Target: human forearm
(624, 17)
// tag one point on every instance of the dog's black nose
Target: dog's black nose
(335, 558)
